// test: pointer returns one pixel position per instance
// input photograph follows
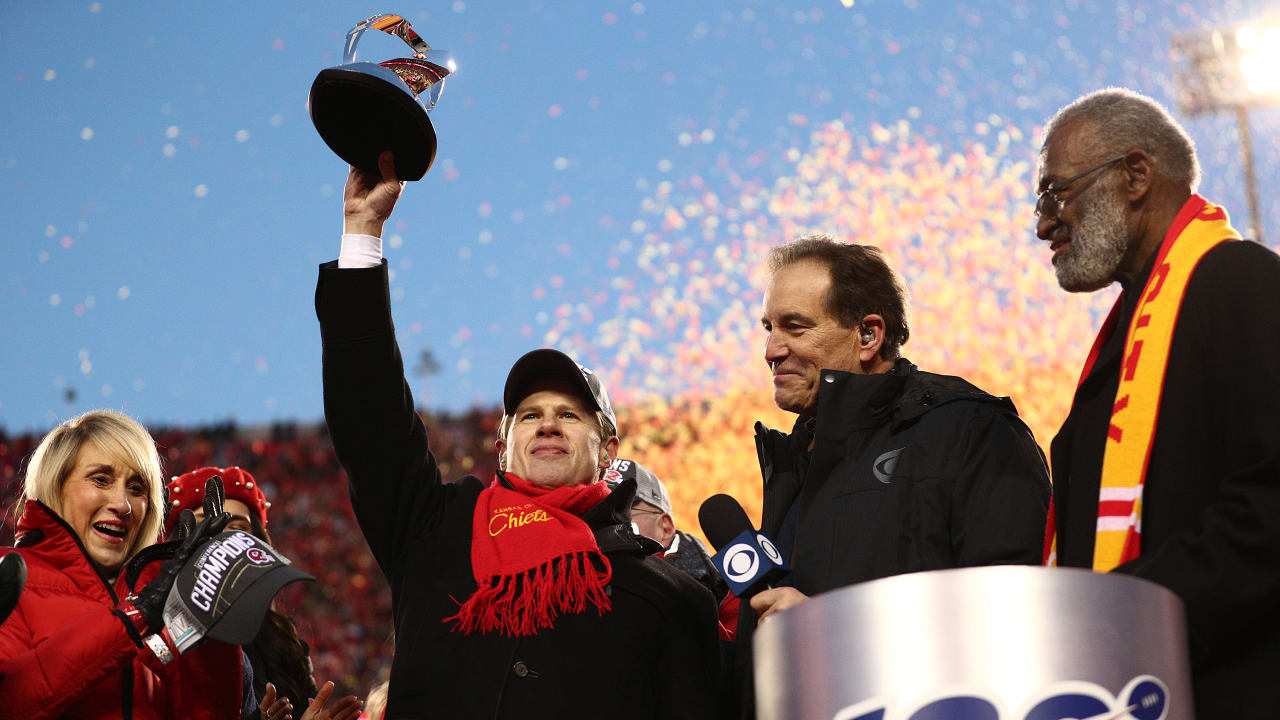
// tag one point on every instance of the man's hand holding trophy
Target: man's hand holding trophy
(361, 109)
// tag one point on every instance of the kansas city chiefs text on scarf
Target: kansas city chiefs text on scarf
(513, 516)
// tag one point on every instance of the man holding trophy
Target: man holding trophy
(530, 597)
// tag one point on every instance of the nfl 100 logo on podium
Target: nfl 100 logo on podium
(1144, 698)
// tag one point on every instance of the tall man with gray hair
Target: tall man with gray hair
(1168, 465)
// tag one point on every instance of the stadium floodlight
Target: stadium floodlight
(1261, 59)
(1230, 70)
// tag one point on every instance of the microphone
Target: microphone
(746, 558)
(13, 576)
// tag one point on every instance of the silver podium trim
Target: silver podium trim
(1023, 642)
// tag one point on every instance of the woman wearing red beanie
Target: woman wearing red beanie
(278, 655)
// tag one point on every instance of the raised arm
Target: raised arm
(396, 488)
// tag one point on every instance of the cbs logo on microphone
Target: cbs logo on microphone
(750, 559)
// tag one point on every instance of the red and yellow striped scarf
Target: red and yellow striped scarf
(1198, 227)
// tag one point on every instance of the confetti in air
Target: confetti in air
(676, 326)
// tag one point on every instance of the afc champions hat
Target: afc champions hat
(225, 589)
(547, 364)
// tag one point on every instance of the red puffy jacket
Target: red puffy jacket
(63, 654)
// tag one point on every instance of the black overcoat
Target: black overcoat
(1211, 502)
(654, 655)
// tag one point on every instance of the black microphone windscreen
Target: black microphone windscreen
(722, 519)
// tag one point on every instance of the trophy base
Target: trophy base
(358, 115)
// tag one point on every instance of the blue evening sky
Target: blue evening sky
(165, 199)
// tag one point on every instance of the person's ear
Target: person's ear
(502, 454)
(1139, 175)
(870, 338)
(608, 452)
(667, 529)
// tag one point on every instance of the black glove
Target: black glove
(167, 506)
(149, 601)
(13, 575)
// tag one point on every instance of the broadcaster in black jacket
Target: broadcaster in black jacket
(888, 470)
(531, 598)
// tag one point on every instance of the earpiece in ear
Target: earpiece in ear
(867, 336)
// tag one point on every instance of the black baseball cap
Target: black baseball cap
(225, 590)
(548, 364)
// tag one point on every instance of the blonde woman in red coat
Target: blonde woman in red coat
(86, 640)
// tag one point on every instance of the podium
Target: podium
(989, 643)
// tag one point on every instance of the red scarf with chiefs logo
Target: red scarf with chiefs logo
(533, 558)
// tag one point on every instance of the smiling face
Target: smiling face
(803, 336)
(554, 440)
(105, 502)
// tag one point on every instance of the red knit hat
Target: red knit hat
(187, 492)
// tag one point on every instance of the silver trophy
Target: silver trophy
(362, 108)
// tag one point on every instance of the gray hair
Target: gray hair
(1125, 120)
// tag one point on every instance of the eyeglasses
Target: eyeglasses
(1050, 202)
(646, 512)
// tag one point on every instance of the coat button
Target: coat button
(520, 669)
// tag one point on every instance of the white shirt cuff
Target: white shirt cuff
(360, 251)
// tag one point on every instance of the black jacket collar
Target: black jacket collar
(610, 519)
(850, 401)
(853, 401)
